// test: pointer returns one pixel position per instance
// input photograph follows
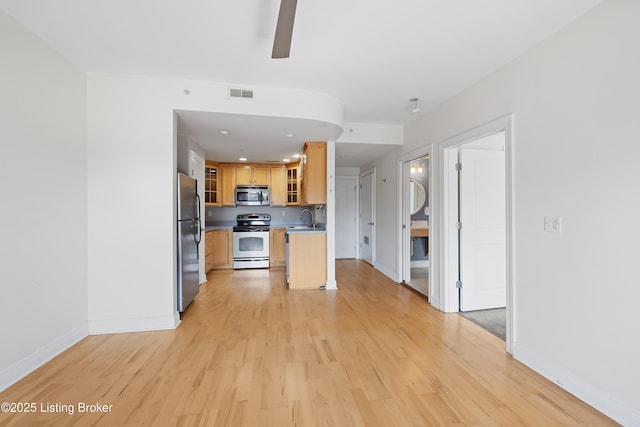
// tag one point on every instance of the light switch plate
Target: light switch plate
(553, 224)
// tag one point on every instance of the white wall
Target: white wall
(131, 185)
(575, 103)
(347, 171)
(183, 153)
(43, 220)
(371, 133)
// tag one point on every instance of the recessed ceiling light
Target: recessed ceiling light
(243, 159)
(296, 156)
(224, 132)
(286, 160)
(289, 135)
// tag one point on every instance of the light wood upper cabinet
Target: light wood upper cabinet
(293, 184)
(285, 182)
(212, 181)
(261, 175)
(228, 176)
(314, 173)
(277, 186)
(252, 175)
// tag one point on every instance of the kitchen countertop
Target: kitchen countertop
(217, 227)
(306, 231)
(225, 225)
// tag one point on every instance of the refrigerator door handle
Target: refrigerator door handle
(198, 218)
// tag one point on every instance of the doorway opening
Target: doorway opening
(416, 223)
(476, 217)
(482, 288)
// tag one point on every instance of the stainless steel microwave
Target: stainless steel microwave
(252, 195)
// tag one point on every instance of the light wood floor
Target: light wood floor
(251, 353)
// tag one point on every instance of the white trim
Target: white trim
(387, 272)
(142, 324)
(373, 174)
(331, 285)
(446, 247)
(576, 385)
(33, 361)
(331, 215)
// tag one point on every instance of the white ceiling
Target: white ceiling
(373, 55)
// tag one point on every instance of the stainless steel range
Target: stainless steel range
(251, 241)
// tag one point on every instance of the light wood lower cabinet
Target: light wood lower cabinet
(277, 247)
(218, 245)
(307, 260)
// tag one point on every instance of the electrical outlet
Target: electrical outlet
(209, 213)
(284, 213)
(553, 224)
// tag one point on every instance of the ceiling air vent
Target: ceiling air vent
(241, 93)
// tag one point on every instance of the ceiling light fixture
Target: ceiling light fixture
(243, 159)
(296, 156)
(224, 132)
(289, 135)
(286, 160)
(416, 109)
(415, 168)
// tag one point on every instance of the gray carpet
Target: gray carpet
(493, 320)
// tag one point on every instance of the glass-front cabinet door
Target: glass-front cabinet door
(211, 185)
(293, 184)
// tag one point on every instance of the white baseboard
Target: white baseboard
(331, 285)
(117, 326)
(24, 367)
(621, 412)
(390, 274)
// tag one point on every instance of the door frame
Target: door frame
(371, 172)
(356, 179)
(447, 207)
(404, 218)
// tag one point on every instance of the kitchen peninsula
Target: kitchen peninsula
(306, 258)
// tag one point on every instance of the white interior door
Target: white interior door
(346, 217)
(196, 170)
(483, 231)
(366, 218)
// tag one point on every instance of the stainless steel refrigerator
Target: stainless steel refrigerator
(189, 235)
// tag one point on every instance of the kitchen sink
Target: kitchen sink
(306, 227)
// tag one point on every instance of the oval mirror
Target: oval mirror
(417, 196)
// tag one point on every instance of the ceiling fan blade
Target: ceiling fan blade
(284, 29)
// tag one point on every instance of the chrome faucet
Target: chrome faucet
(310, 216)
